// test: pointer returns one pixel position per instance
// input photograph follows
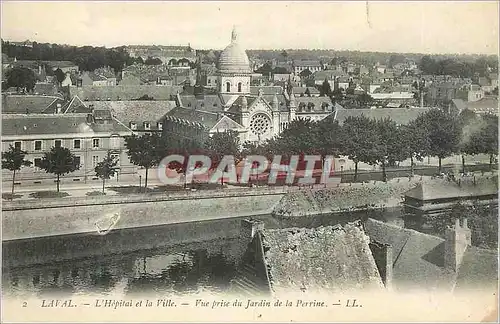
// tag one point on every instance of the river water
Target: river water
(173, 268)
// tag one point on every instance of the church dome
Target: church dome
(234, 59)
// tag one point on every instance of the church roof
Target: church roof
(233, 58)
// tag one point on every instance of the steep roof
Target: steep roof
(226, 123)
(205, 102)
(45, 89)
(20, 104)
(399, 115)
(124, 92)
(418, 260)
(486, 103)
(334, 258)
(45, 124)
(479, 269)
(442, 189)
(266, 90)
(76, 106)
(137, 111)
(194, 116)
(318, 102)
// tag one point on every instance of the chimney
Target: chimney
(382, 254)
(457, 239)
(250, 227)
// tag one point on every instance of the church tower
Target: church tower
(234, 68)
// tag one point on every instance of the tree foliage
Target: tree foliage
(59, 75)
(59, 161)
(481, 219)
(21, 78)
(146, 150)
(107, 168)
(13, 160)
(325, 89)
(357, 140)
(443, 133)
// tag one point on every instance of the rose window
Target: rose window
(260, 124)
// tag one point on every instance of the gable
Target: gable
(259, 104)
(226, 123)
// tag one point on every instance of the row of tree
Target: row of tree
(88, 58)
(58, 161)
(377, 142)
(458, 68)
(374, 141)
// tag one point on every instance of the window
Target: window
(133, 126)
(38, 145)
(76, 144)
(57, 143)
(17, 145)
(77, 160)
(239, 87)
(37, 162)
(115, 142)
(95, 143)
(160, 126)
(147, 126)
(95, 161)
(228, 87)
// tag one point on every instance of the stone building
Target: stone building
(89, 136)
(255, 116)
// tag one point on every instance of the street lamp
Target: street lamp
(140, 180)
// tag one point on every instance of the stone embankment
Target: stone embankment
(344, 198)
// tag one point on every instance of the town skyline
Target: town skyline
(433, 23)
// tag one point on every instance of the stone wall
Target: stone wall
(80, 246)
(42, 222)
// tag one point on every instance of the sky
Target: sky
(418, 27)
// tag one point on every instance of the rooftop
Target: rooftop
(48, 124)
(443, 189)
(399, 115)
(335, 258)
(137, 111)
(21, 104)
(418, 259)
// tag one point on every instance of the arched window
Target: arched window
(228, 87)
(239, 86)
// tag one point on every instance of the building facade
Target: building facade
(89, 136)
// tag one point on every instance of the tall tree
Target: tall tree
(222, 144)
(107, 168)
(444, 133)
(325, 89)
(416, 140)
(13, 160)
(484, 139)
(146, 150)
(388, 146)
(357, 138)
(469, 123)
(59, 161)
(59, 75)
(21, 77)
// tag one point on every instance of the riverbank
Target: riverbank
(66, 216)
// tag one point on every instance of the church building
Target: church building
(256, 115)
